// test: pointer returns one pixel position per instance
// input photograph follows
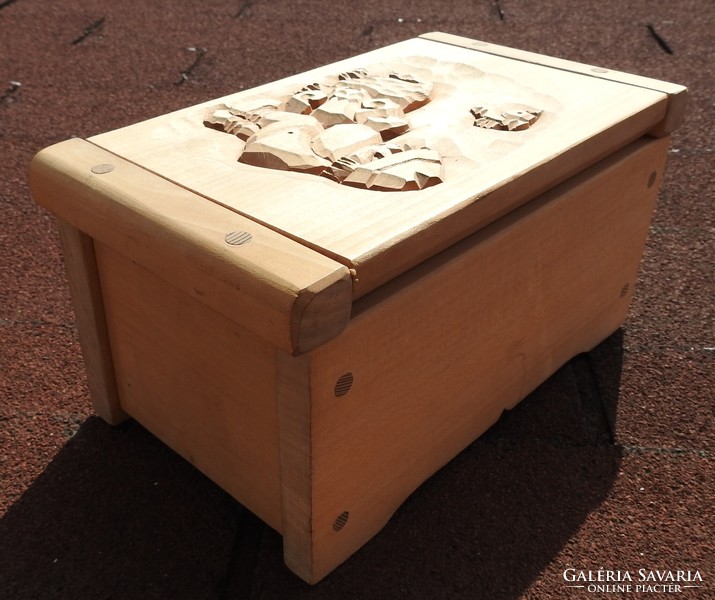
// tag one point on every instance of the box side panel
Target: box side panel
(436, 356)
(201, 383)
(286, 293)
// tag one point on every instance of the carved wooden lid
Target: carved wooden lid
(383, 160)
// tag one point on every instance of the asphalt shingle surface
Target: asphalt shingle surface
(608, 464)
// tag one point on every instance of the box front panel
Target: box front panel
(202, 384)
(435, 357)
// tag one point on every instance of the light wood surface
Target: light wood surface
(81, 266)
(197, 380)
(677, 94)
(485, 172)
(337, 129)
(281, 290)
(437, 355)
(294, 407)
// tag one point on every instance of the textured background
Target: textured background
(608, 464)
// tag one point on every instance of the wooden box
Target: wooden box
(320, 290)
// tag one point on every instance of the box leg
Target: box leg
(294, 426)
(315, 539)
(81, 265)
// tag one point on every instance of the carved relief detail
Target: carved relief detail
(351, 128)
(505, 118)
(388, 167)
(339, 129)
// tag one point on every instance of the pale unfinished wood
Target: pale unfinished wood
(323, 123)
(341, 140)
(306, 100)
(485, 173)
(268, 285)
(83, 279)
(200, 382)
(283, 150)
(408, 169)
(677, 94)
(505, 118)
(437, 355)
(294, 401)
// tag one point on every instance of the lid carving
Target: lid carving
(342, 128)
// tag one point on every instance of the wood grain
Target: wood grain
(267, 285)
(486, 173)
(83, 278)
(677, 94)
(439, 353)
(198, 381)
